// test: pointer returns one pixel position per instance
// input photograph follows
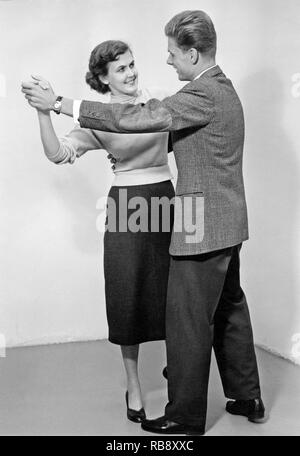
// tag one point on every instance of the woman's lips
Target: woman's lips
(131, 82)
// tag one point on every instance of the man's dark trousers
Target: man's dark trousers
(207, 308)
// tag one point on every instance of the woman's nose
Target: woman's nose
(130, 72)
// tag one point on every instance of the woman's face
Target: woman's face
(122, 75)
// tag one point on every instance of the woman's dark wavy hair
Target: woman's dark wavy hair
(105, 52)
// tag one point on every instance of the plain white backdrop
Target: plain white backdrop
(51, 282)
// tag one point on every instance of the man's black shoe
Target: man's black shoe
(163, 425)
(253, 409)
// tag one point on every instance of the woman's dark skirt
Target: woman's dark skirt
(136, 262)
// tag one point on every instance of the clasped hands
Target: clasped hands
(39, 93)
(41, 96)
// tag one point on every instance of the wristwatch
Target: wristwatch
(57, 105)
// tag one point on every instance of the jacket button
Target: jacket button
(113, 167)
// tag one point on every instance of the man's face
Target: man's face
(180, 60)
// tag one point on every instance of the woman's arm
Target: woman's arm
(50, 141)
(64, 149)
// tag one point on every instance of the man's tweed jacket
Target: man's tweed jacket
(206, 122)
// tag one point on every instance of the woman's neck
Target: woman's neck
(124, 97)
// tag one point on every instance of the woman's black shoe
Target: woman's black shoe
(137, 416)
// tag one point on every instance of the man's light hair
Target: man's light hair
(193, 29)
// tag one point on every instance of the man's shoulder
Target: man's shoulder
(208, 85)
(198, 87)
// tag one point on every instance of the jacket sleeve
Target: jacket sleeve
(188, 108)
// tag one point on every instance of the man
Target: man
(206, 306)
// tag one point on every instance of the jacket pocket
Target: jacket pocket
(190, 193)
(189, 216)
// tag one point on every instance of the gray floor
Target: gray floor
(78, 389)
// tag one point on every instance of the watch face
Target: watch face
(57, 105)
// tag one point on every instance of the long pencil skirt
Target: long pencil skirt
(136, 261)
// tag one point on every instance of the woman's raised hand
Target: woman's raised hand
(39, 93)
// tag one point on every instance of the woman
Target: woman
(136, 263)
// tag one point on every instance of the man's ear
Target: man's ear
(194, 54)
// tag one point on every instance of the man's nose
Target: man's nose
(169, 61)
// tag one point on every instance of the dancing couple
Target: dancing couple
(160, 285)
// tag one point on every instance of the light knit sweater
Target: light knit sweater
(140, 158)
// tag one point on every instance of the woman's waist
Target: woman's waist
(142, 176)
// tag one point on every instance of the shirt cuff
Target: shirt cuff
(76, 111)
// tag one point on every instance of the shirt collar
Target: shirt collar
(204, 71)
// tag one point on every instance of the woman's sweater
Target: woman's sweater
(139, 158)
